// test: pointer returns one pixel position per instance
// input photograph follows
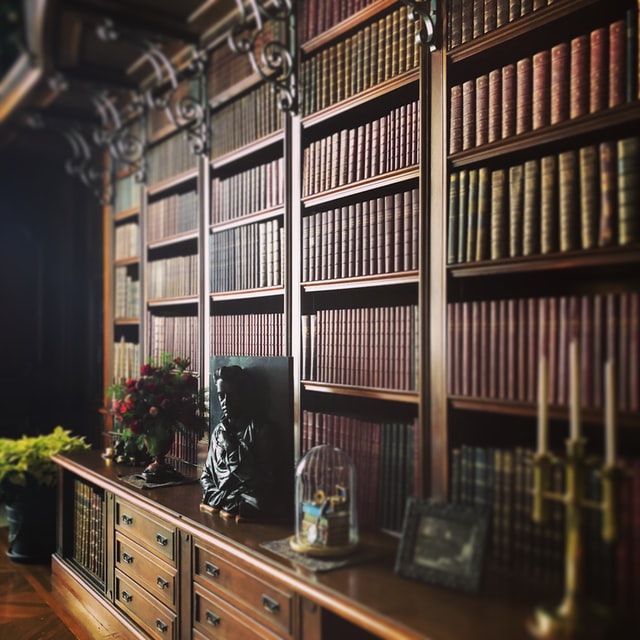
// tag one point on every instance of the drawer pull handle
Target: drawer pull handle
(161, 540)
(211, 570)
(162, 626)
(127, 519)
(162, 583)
(212, 618)
(126, 597)
(271, 605)
(127, 558)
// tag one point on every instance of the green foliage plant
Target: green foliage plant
(26, 462)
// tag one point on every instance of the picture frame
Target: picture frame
(443, 544)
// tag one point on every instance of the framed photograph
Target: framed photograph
(443, 544)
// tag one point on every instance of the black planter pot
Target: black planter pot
(32, 525)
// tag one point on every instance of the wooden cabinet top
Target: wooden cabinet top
(367, 594)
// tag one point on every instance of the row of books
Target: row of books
(255, 334)
(256, 189)
(173, 214)
(366, 347)
(252, 116)
(126, 360)
(377, 52)
(126, 193)
(594, 71)
(227, 68)
(317, 16)
(173, 277)
(384, 455)
(126, 302)
(126, 241)
(371, 149)
(170, 157)
(469, 19)
(495, 347)
(89, 529)
(373, 237)
(577, 199)
(247, 257)
(501, 480)
(185, 447)
(174, 334)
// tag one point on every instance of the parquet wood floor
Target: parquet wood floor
(27, 603)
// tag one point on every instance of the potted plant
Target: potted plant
(28, 478)
(163, 401)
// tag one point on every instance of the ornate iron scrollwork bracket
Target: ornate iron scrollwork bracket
(82, 163)
(428, 13)
(274, 61)
(186, 113)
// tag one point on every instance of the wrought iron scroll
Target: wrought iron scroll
(272, 60)
(82, 163)
(186, 113)
(427, 12)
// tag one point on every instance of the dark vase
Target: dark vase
(32, 525)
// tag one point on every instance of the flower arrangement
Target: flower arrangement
(165, 399)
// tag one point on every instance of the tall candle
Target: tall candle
(574, 386)
(609, 413)
(543, 410)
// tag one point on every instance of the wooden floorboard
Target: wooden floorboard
(27, 603)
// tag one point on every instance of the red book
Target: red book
(552, 348)
(484, 349)
(494, 363)
(559, 82)
(522, 330)
(494, 108)
(523, 95)
(598, 320)
(541, 110)
(465, 346)
(598, 68)
(468, 114)
(622, 369)
(508, 100)
(586, 351)
(482, 109)
(579, 84)
(475, 349)
(504, 369)
(511, 323)
(617, 63)
(533, 354)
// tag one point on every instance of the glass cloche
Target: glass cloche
(325, 496)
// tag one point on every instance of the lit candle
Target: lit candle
(574, 385)
(543, 413)
(609, 413)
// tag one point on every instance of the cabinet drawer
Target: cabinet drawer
(144, 609)
(269, 603)
(215, 618)
(145, 530)
(155, 576)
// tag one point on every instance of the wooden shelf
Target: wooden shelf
(263, 292)
(584, 259)
(382, 280)
(170, 183)
(170, 302)
(171, 240)
(251, 218)
(410, 397)
(126, 262)
(127, 215)
(534, 142)
(273, 139)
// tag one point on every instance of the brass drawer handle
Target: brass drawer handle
(127, 558)
(271, 605)
(211, 570)
(162, 583)
(127, 519)
(126, 597)
(162, 626)
(212, 618)
(161, 540)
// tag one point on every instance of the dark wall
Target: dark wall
(50, 296)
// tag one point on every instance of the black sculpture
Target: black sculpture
(239, 475)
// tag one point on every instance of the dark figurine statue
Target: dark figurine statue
(238, 478)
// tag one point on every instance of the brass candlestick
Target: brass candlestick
(576, 616)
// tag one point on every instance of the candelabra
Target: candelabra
(576, 617)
